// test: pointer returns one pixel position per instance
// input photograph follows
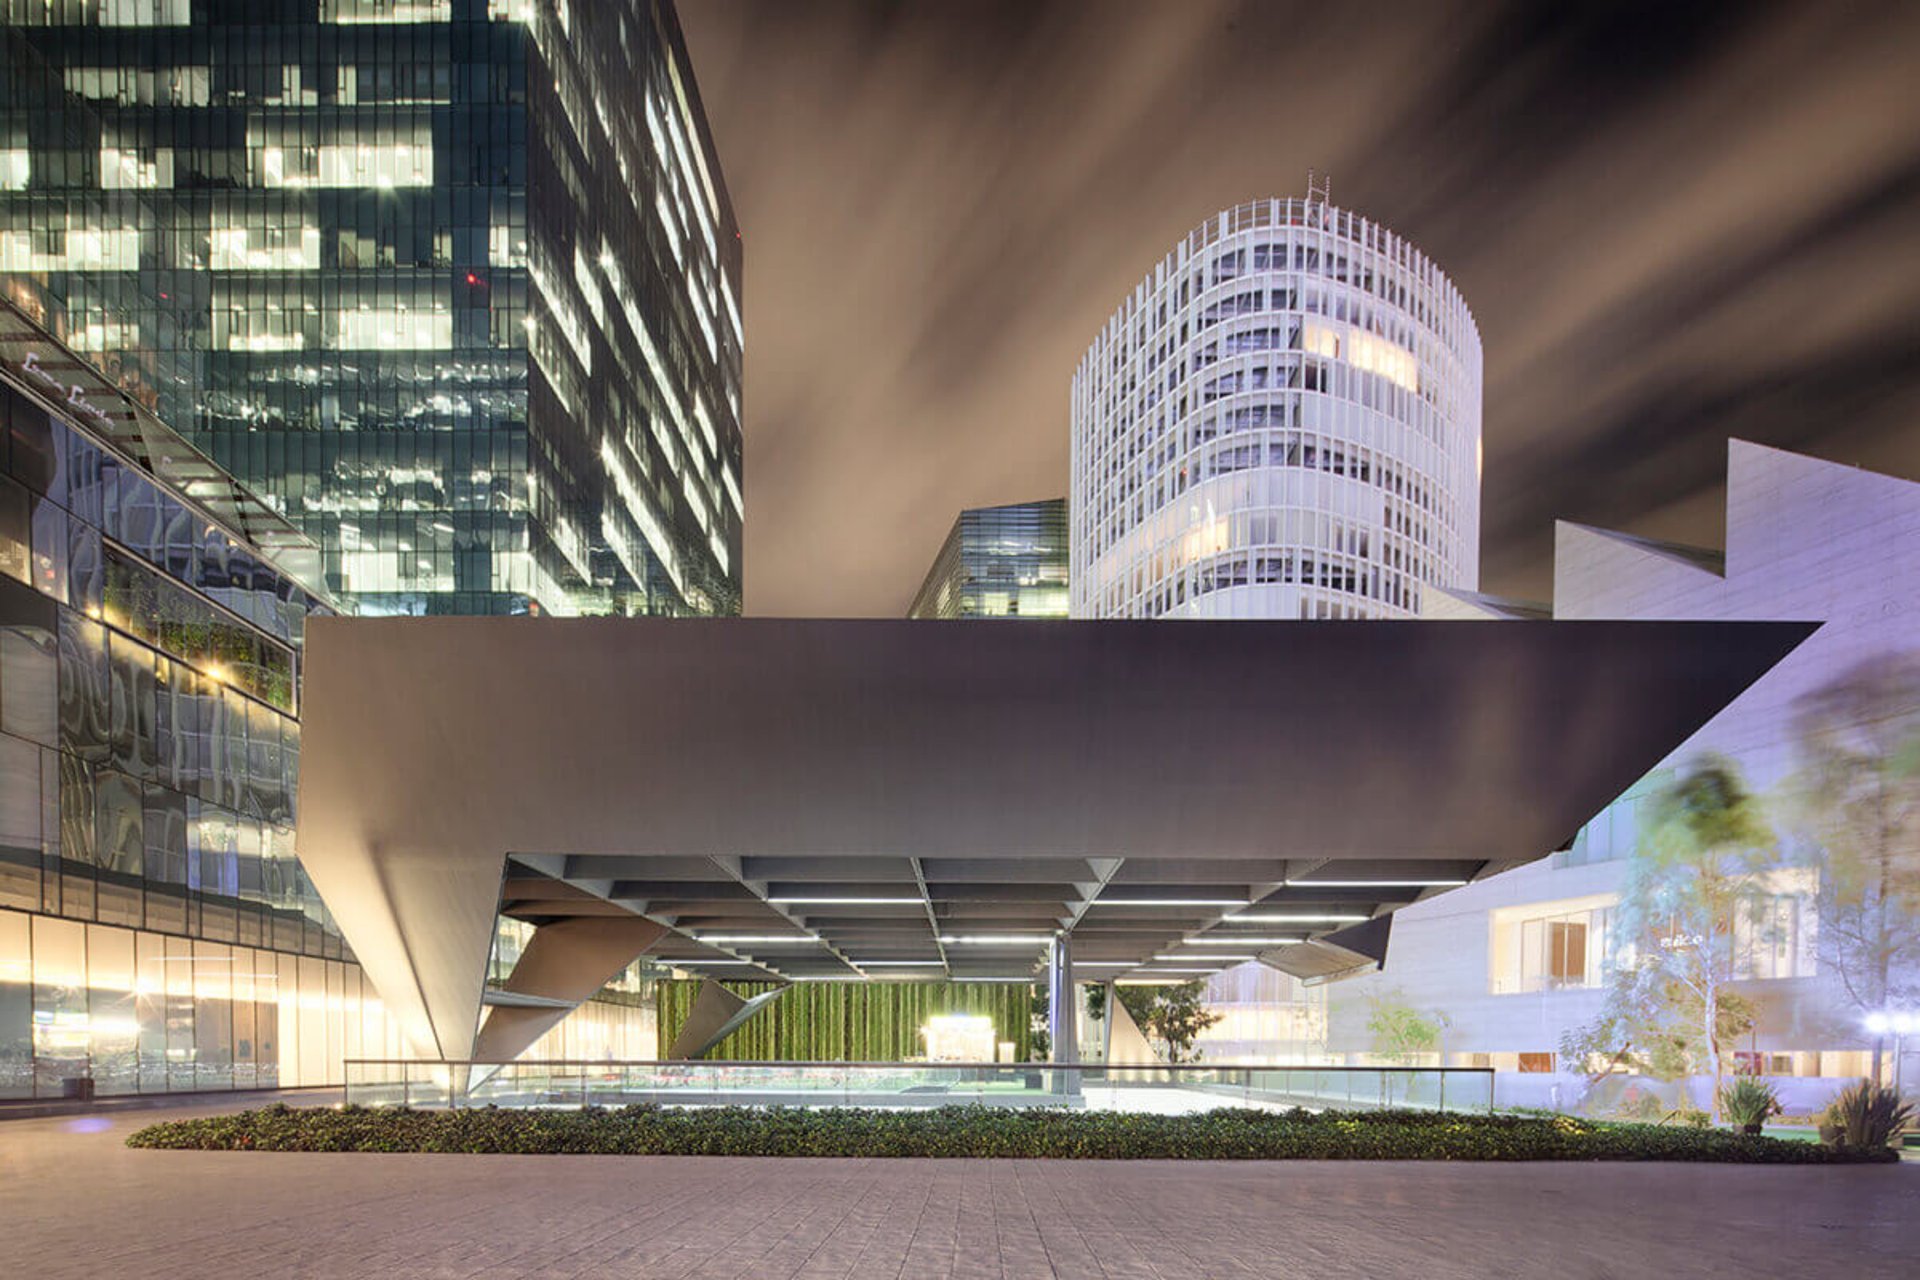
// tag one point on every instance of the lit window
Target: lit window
(383, 164)
(128, 169)
(103, 335)
(385, 11)
(394, 329)
(264, 248)
(145, 13)
(74, 249)
(1549, 946)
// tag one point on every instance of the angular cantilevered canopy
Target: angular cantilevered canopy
(816, 799)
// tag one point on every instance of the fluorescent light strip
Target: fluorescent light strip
(1297, 918)
(895, 964)
(1165, 969)
(854, 977)
(741, 939)
(996, 940)
(1028, 980)
(1373, 884)
(1240, 942)
(1108, 964)
(846, 902)
(1227, 959)
(1169, 902)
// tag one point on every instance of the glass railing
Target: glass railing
(1144, 1088)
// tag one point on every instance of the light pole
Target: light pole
(1901, 1023)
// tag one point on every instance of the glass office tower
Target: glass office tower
(149, 736)
(1000, 562)
(453, 284)
(157, 933)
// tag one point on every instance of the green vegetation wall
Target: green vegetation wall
(852, 1021)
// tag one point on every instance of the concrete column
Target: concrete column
(564, 964)
(1063, 1007)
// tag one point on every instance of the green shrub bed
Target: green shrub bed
(972, 1131)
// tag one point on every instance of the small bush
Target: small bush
(1750, 1103)
(974, 1131)
(1865, 1121)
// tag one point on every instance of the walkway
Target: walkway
(77, 1203)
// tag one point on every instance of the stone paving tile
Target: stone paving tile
(74, 1202)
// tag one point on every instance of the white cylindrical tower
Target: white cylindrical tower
(1283, 421)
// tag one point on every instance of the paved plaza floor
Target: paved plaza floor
(75, 1202)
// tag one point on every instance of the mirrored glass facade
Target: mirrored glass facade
(453, 284)
(157, 932)
(149, 740)
(1000, 562)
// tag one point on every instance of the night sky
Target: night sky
(1673, 225)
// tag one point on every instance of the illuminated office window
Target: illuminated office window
(131, 169)
(264, 247)
(71, 249)
(385, 11)
(395, 329)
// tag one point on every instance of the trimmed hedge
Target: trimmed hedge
(972, 1131)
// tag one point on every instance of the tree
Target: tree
(1696, 876)
(1854, 802)
(1400, 1031)
(1174, 1015)
(1651, 1024)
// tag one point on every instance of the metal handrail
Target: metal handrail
(609, 1063)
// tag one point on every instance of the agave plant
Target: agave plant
(1865, 1118)
(1749, 1103)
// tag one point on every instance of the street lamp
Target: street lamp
(1901, 1023)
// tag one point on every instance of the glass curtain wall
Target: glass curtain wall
(1000, 562)
(145, 1012)
(454, 285)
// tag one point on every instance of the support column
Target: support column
(565, 963)
(716, 1014)
(1063, 1009)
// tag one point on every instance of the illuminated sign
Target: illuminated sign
(71, 394)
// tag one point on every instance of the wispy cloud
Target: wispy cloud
(1674, 224)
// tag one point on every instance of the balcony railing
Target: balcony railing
(1149, 1088)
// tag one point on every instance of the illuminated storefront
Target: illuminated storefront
(157, 932)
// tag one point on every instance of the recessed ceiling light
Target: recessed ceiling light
(846, 902)
(1169, 902)
(996, 939)
(1301, 917)
(741, 939)
(1372, 884)
(1240, 942)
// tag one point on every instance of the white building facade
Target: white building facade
(1282, 421)
(1509, 965)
